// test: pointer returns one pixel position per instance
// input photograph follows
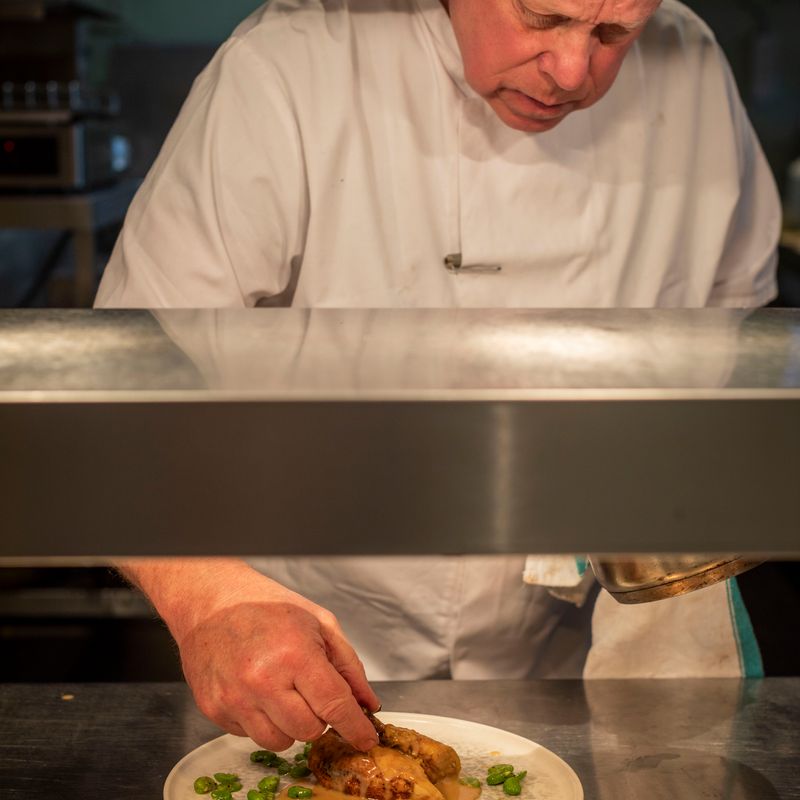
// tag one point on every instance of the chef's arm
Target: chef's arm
(261, 660)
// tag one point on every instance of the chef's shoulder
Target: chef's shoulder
(677, 32)
(315, 38)
(679, 57)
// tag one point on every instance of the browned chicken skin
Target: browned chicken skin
(438, 760)
(404, 766)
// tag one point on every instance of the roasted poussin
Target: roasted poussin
(438, 760)
(404, 766)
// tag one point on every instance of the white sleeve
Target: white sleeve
(745, 276)
(223, 210)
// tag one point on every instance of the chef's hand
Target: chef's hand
(261, 660)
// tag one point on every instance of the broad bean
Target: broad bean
(204, 784)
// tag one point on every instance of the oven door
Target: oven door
(67, 157)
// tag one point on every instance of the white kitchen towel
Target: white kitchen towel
(705, 633)
(565, 577)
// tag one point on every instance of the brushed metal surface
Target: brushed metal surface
(401, 354)
(399, 431)
(626, 740)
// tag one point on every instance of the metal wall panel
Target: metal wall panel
(490, 432)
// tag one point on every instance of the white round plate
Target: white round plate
(479, 746)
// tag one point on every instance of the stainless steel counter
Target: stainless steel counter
(626, 740)
(311, 432)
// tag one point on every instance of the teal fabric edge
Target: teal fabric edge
(750, 660)
(581, 564)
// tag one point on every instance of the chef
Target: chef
(418, 153)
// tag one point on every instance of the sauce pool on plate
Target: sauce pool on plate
(451, 789)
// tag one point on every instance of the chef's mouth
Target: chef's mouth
(534, 105)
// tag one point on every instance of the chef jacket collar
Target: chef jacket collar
(441, 29)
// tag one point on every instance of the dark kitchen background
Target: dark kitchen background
(104, 80)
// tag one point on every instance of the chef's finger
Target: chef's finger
(349, 666)
(293, 715)
(330, 698)
(261, 729)
(232, 727)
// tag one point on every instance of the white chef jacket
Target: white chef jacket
(336, 146)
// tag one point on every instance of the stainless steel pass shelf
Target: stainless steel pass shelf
(625, 739)
(290, 431)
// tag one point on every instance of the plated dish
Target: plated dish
(479, 746)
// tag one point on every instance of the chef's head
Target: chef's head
(535, 61)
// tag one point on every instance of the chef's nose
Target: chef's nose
(566, 62)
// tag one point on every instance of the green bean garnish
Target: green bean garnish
(204, 784)
(262, 757)
(282, 765)
(269, 784)
(299, 770)
(513, 785)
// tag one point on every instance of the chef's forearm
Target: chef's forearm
(186, 590)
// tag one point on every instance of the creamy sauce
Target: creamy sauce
(390, 764)
(320, 792)
(453, 789)
(393, 763)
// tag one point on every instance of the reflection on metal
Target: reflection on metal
(46, 353)
(503, 462)
(626, 739)
(644, 579)
(417, 354)
(291, 431)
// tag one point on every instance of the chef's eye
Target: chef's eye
(612, 34)
(541, 22)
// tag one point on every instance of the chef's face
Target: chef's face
(535, 61)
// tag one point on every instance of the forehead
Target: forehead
(629, 12)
